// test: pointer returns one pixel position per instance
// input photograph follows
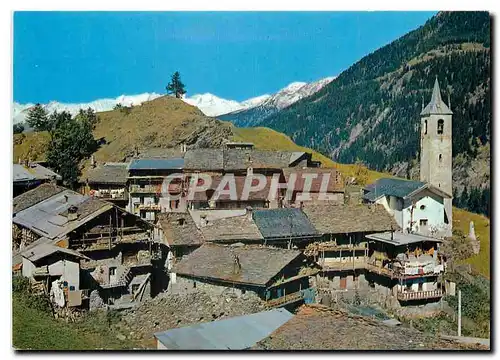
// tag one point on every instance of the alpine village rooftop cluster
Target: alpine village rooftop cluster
(124, 238)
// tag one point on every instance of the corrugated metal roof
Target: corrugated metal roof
(398, 238)
(237, 333)
(280, 223)
(156, 164)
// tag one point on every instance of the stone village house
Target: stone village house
(117, 257)
(277, 276)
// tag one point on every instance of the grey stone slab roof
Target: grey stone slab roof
(235, 228)
(34, 196)
(436, 105)
(259, 265)
(179, 229)
(239, 159)
(283, 223)
(156, 164)
(392, 187)
(48, 217)
(344, 219)
(204, 159)
(236, 333)
(398, 238)
(33, 171)
(43, 250)
(21, 174)
(112, 173)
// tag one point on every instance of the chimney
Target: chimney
(92, 161)
(301, 205)
(72, 215)
(65, 198)
(236, 264)
(249, 213)
(183, 148)
(203, 220)
(26, 162)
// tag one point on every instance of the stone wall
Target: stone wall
(184, 285)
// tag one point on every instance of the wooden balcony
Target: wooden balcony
(150, 207)
(111, 197)
(285, 300)
(148, 189)
(419, 295)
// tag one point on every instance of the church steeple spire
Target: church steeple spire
(437, 105)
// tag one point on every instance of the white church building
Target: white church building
(423, 207)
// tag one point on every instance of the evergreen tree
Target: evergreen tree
(464, 198)
(89, 116)
(72, 142)
(38, 118)
(18, 128)
(176, 86)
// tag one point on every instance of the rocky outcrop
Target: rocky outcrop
(168, 311)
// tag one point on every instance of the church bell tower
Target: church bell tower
(436, 146)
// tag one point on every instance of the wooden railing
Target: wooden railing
(419, 295)
(286, 299)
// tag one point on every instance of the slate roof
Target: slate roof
(436, 105)
(177, 234)
(334, 182)
(21, 174)
(156, 164)
(235, 333)
(110, 173)
(204, 159)
(342, 219)
(43, 250)
(34, 171)
(239, 159)
(48, 216)
(34, 196)
(283, 223)
(316, 327)
(259, 265)
(235, 228)
(392, 187)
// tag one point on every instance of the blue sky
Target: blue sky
(83, 56)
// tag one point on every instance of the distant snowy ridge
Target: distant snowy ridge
(20, 111)
(257, 114)
(209, 104)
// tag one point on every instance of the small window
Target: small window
(181, 221)
(420, 287)
(440, 128)
(425, 127)
(422, 207)
(112, 271)
(135, 287)
(440, 157)
(423, 222)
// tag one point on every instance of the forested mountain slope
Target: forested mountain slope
(371, 111)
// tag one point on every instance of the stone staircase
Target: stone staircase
(123, 280)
